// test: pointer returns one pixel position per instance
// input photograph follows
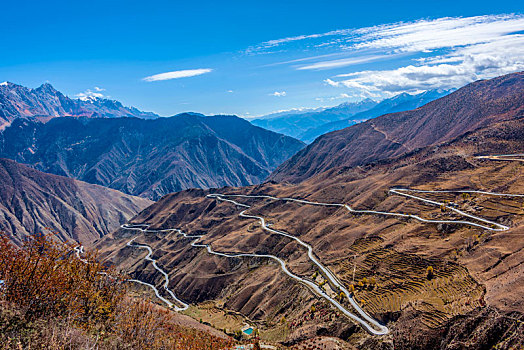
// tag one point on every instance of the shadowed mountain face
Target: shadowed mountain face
(31, 201)
(46, 102)
(474, 106)
(149, 157)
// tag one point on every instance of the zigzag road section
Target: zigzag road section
(361, 317)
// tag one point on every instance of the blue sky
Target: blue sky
(255, 57)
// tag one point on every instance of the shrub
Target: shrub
(43, 278)
(429, 272)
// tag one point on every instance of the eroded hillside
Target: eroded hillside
(456, 279)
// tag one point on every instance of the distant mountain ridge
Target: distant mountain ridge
(398, 103)
(17, 101)
(473, 106)
(294, 124)
(291, 111)
(149, 158)
(310, 125)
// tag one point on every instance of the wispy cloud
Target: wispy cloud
(451, 70)
(408, 36)
(278, 94)
(447, 32)
(263, 47)
(438, 53)
(178, 74)
(344, 62)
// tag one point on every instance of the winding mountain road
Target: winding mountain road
(166, 278)
(366, 321)
(505, 157)
(371, 325)
(80, 250)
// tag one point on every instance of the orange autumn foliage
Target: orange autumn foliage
(50, 299)
(43, 278)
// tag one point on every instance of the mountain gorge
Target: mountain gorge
(426, 237)
(400, 232)
(149, 158)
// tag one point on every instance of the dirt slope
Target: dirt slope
(35, 202)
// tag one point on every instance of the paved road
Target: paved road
(507, 157)
(401, 192)
(166, 278)
(494, 225)
(370, 324)
(80, 250)
(373, 326)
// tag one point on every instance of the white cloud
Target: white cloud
(90, 95)
(422, 35)
(230, 91)
(260, 48)
(343, 96)
(438, 53)
(177, 74)
(452, 70)
(278, 94)
(428, 35)
(344, 62)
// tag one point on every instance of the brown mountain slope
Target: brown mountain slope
(31, 201)
(474, 106)
(473, 301)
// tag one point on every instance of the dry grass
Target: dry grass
(49, 299)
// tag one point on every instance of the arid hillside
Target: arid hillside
(34, 202)
(53, 299)
(454, 282)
